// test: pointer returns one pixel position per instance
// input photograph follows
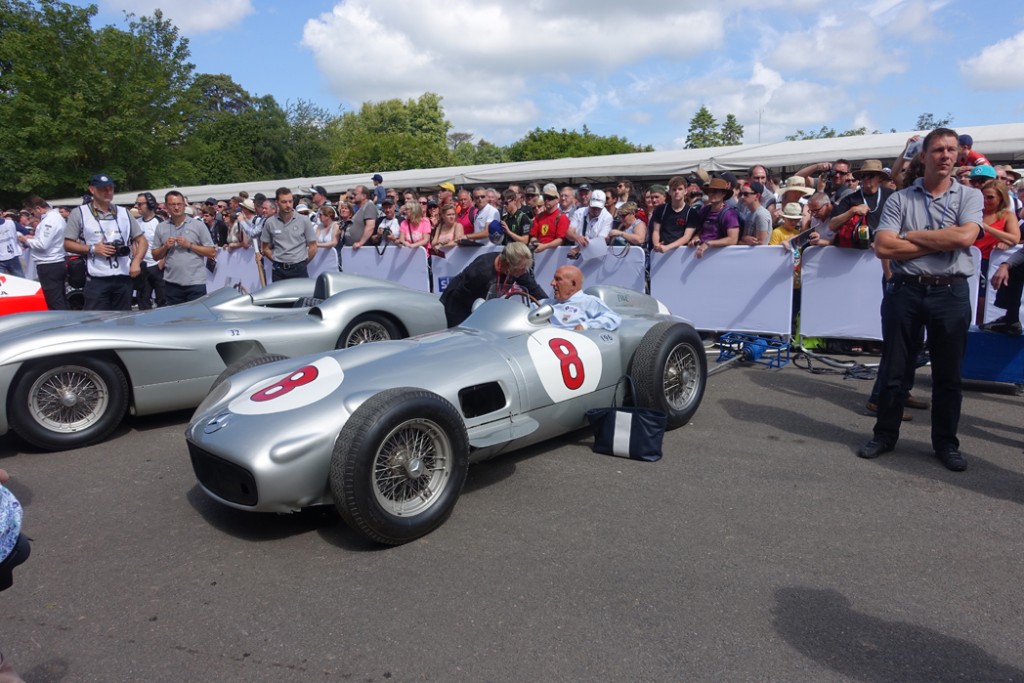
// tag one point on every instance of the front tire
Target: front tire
(368, 327)
(245, 364)
(670, 371)
(399, 465)
(63, 403)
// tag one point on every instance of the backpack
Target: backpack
(854, 233)
(722, 228)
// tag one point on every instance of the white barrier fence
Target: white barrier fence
(741, 289)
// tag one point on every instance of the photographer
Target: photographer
(184, 244)
(114, 244)
(835, 178)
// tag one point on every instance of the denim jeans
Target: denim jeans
(945, 312)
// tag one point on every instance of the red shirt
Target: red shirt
(550, 225)
(974, 158)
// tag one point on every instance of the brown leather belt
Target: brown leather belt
(930, 280)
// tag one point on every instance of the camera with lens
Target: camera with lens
(121, 248)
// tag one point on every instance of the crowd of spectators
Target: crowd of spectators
(827, 203)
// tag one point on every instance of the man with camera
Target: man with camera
(184, 244)
(113, 244)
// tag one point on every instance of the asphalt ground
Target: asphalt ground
(759, 549)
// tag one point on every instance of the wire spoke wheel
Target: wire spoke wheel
(366, 328)
(365, 332)
(682, 377)
(669, 369)
(68, 399)
(411, 467)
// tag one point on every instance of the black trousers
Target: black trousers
(945, 312)
(148, 282)
(288, 271)
(1008, 296)
(51, 279)
(180, 294)
(112, 293)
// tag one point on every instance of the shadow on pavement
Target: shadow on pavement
(822, 626)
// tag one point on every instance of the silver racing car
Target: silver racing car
(68, 378)
(386, 431)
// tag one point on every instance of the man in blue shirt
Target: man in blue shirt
(926, 232)
(575, 310)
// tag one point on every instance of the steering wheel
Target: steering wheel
(526, 296)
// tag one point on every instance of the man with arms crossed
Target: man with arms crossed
(926, 232)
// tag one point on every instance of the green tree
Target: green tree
(826, 132)
(703, 130)
(308, 139)
(252, 144)
(390, 135)
(552, 144)
(732, 131)
(77, 101)
(927, 121)
(483, 152)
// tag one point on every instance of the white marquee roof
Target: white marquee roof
(1001, 142)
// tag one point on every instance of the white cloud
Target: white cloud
(997, 66)
(190, 16)
(847, 50)
(486, 57)
(767, 105)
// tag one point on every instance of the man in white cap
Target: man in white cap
(596, 223)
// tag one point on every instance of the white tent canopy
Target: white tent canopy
(1001, 142)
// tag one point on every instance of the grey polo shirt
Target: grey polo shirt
(182, 266)
(289, 241)
(914, 209)
(368, 211)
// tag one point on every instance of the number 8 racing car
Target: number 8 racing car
(386, 431)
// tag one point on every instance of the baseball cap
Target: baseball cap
(377, 177)
(583, 188)
(983, 171)
(550, 190)
(317, 189)
(597, 198)
(101, 180)
(966, 139)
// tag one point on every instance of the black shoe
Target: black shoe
(952, 458)
(1002, 326)
(874, 448)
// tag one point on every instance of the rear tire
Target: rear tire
(399, 465)
(670, 371)
(368, 327)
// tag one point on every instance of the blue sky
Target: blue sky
(635, 69)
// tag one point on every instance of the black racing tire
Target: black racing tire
(670, 371)
(399, 465)
(368, 327)
(68, 402)
(245, 364)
